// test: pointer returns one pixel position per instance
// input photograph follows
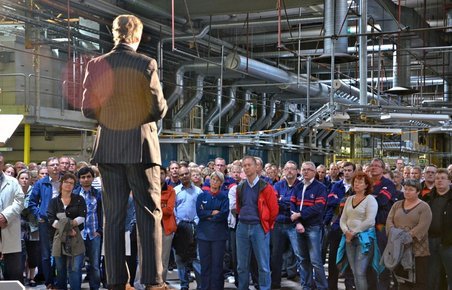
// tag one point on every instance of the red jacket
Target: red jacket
(168, 201)
(267, 204)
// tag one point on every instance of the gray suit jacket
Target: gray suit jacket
(122, 92)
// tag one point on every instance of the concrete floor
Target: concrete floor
(173, 281)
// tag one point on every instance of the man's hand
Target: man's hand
(215, 212)
(299, 228)
(295, 215)
(3, 221)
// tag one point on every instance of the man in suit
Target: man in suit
(122, 92)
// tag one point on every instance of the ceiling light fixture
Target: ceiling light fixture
(408, 116)
(173, 140)
(243, 141)
(436, 130)
(375, 130)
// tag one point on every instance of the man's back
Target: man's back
(122, 92)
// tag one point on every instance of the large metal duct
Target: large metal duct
(203, 68)
(246, 106)
(402, 63)
(320, 136)
(223, 111)
(283, 117)
(217, 107)
(340, 86)
(289, 81)
(329, 139)
(187, 107)
(268, 117)
(297, 118)
(263, 112)
(335, 23)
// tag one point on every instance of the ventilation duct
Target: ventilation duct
(238, 116)
(335, 23)
(297, 118)
(186, 108)
(289, 81)
(401, 68)
(215, 109)
(225, 110)
(329, 139)
(203, 68)
(340, 86)
(263, 113)
(283, 117)
(265, 122)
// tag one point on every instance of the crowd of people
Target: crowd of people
(379, 227)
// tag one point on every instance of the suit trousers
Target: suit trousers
(144, 182)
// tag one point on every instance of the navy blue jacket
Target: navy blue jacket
(212, 227)
(333, 204)
(384, 189)
(284, 193)
(313, 204)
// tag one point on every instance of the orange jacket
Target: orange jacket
(168, 201)
(267, 204)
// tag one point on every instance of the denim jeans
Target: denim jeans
(93, 248)
(253, 237)
(311, 258)
(282, 237)
(184, 272)
(440, 257)
(69, 267)
(45, 247)
(359, 262)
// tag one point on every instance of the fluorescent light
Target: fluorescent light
(173, 140)
(8, 124)
(229, 140)
(375, 130)
(407, 116)
(434, 130)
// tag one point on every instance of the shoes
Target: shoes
(162, 286)
(32, 283)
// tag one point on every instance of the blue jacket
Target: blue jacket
(40, 198)
(284, 193)
(366, 238)
(384, 189)
(313, 204)
(212, 227)
(333, 203)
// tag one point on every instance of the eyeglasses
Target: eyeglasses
(307, 169)
(54, 165)
(68, 182)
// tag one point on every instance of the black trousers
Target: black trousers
(13, 266)
(144, 182)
